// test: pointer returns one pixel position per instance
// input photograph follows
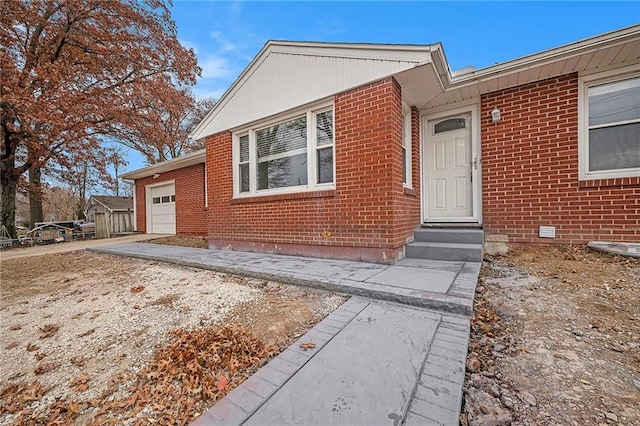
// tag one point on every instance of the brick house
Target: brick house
(354, 150)
(171, 197)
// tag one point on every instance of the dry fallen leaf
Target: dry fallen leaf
(183, 380)
(137, 289)
(222, 383)
(45, 367)
(86, 333)
(11, 345)
(79, 384)
(78, 361)
(32, 347)
(308, 345)
(48, 330)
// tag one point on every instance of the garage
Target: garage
(162, 214)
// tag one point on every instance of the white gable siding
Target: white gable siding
(287, 80)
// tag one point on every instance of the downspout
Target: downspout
(135, 209)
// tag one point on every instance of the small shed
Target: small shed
(112, 215)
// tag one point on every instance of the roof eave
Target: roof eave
(550, 55)
(197, 157)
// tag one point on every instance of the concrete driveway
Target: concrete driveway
(17, 253)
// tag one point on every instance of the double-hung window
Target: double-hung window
(289, 155)
(610, 127)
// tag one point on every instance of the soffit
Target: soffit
(600, 53)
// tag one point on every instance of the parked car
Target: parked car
(25, 240)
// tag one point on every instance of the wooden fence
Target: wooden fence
(109, 224)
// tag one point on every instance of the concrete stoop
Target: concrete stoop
(451, 244)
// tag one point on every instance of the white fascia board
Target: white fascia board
(198, 132)
(393, 52)
(196, 157)
(419, 54)
(546, 57)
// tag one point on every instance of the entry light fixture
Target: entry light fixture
(156, 176)
(495, 115)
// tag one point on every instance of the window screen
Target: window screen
(614, 125)
(282, 154)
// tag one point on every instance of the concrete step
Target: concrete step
(444, 251)
(449, 235)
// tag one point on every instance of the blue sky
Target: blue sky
(226, 35)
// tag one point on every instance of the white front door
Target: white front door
(449, 161)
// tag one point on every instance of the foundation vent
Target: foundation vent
(547, 232)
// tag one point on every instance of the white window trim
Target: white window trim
(407, 142)
(206, 188)
(312, 185)
(584, 82)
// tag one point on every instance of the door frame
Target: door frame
(472, 109)
(147, 197)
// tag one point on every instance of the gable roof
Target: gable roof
(48, 226)
(114, 203)
(286, 75)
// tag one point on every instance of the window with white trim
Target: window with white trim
(291, 155)
(610, 127)
(406, 147)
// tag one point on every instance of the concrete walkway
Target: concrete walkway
(393, 354)
(440, 285)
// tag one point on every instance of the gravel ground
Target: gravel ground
(92, 319)
(555, 340)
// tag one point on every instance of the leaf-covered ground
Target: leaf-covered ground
(98, 339)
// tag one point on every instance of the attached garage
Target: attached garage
(162, 208)
(171, 197)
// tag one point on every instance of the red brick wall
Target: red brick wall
(191, 214)
(367, 217)
(530, 171)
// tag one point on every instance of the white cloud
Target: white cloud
(216, 67)
(224, 44)
(206, 92)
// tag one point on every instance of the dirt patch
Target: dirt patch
(555, 339)
(93, 338)
(182, 241)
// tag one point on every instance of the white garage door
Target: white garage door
(163, 209)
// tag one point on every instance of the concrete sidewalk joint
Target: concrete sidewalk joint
(394, 353)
